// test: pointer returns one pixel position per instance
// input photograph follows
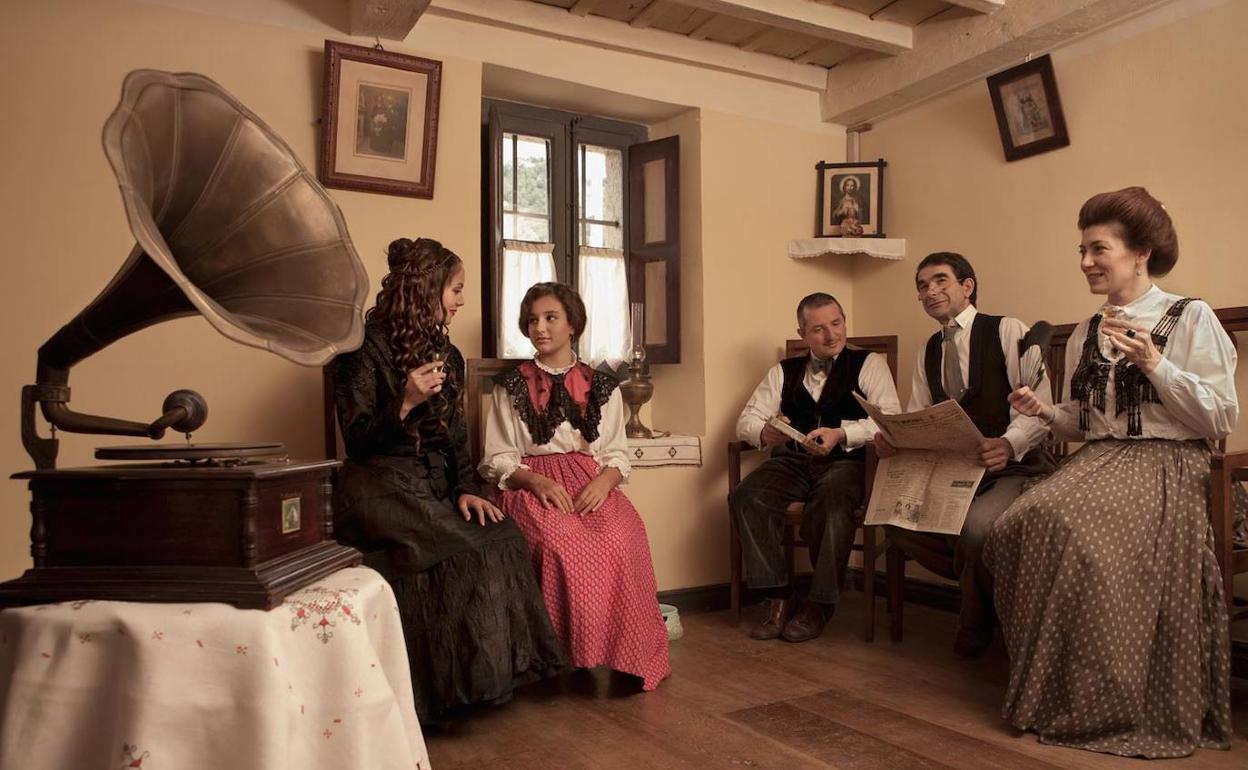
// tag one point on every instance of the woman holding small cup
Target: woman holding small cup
(473, 616)
(1106, 582)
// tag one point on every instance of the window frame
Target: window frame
(565, 131)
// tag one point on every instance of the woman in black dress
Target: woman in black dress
(472, 612)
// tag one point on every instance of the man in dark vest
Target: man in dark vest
(974, 359)
(815, 395)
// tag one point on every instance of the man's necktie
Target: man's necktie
(954, 386)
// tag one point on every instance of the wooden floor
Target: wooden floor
(833, 702)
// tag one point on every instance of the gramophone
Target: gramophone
(231, 226)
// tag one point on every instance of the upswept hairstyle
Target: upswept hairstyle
(573, 306)
(409, 304)
(814, 302)
(961, 267)
(1142, 223)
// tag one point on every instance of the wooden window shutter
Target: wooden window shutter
(654, 244)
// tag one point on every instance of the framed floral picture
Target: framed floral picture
(379, 125)
(851, 200)
(1029, 112)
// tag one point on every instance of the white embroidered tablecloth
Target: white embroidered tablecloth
(321, 681)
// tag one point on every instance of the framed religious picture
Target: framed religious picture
(1029, 112)
(851, 200)
(379, 125)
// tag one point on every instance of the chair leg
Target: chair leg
(896, 576)
(868, 583)
(734, 560)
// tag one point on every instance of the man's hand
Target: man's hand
(770, 436)
(882, 447)
(994, 453)
(821, 441)
(1027, 403)
(482, 508)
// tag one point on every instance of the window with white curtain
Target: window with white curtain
(556, 211)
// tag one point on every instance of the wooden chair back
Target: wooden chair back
(478, 392)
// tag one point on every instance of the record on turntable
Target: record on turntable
(224, 454)
(231, 226)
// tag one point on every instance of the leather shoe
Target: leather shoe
(777, 615)
(806, 623)
(972, 642)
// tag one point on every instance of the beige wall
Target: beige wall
(1163, 108)
(61, 67)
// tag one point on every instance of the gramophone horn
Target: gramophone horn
(229, 225)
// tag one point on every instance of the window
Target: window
(557, 200)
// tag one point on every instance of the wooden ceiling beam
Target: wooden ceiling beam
(826, 22)
(584, 7)
(964, 50)
(389, 19)
(982, 6)
(647, 15)
(551, 21)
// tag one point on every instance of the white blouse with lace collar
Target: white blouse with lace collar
(1195, 379)
(507, 439)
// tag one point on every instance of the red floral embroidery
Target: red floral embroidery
(158, 635)
(130, 756)
(328, 733)
(84, 638)
(359, 691)
(333, 606)
(240, 649)
(199, 642)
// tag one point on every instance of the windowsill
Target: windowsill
(665, 451)
(880, 248)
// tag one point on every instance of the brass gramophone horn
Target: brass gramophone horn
(229, 225)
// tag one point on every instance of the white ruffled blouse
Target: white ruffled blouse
(507, 438)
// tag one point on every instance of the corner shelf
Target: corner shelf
(880, 248)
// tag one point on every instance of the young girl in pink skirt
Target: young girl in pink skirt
(554, 444)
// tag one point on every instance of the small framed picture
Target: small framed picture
(1029, 112)
(851, 200)
(379, 126)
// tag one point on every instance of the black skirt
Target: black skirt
(473, 616)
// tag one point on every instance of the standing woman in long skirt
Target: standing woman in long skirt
(555, 445)
(1106, 582)
(472, 612)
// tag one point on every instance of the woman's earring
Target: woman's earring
(1139, 271)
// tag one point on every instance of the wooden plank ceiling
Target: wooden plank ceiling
(786, 29)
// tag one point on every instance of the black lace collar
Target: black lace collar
(1132, 387)
(561, 407)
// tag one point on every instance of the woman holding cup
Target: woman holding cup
(473, 616)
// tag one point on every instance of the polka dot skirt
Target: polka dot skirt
(596, 574)
(1109, 594)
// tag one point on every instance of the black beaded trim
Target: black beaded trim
(560, 407)
(1132, 386)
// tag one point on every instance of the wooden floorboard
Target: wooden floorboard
(835, 702)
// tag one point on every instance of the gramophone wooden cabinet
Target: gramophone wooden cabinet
(246, 535)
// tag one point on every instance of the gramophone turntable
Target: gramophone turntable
(230, 225)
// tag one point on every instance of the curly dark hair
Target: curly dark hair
(573, 306)
(409, 307)
(1142, 222)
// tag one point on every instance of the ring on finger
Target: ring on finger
(1131, 333)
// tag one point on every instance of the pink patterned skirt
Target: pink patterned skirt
(596, 574)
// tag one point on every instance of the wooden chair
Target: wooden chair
(1226, 470)
(886, 346)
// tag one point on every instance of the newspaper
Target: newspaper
(929, 484)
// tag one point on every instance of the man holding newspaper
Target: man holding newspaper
(974, 363)
(807, 408)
